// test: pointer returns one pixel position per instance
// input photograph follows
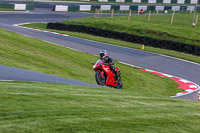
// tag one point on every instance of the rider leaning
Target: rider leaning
(108, 61)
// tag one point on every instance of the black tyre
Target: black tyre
(100, 80)
(119, 85)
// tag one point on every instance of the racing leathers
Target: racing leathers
(109, 61)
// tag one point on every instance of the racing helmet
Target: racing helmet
(103, 53)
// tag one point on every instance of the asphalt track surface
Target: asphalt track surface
(15, 74)
(180, 68)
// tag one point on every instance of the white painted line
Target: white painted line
(129, 64)
(65, 35)
(26, 35)
(178, 94)
(35, 29)
(18, 25)
(192, 86)
(27, 23)
(45, 31)
(189, 90)
(61, 45)
(150, 70)
(184, 81)
(168, 75)
(179, 59)
(7, 80)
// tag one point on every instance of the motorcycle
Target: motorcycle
(141, 12)
(105, 76)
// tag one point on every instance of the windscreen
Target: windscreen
(99, 61)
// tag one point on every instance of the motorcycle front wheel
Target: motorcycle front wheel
(100, 80)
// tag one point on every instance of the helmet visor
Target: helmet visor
(102, 55)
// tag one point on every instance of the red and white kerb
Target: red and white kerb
(188, 86)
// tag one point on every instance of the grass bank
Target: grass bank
(119, 43)
(159, 26)
(143, 106)
(44, 107)
(6, 9)
(33, 54)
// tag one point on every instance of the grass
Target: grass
(159, 26)
(45, 107)
(6, 9)
(33, 54)
(119, 43)
(143, 106)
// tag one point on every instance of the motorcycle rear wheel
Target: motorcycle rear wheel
(99, 79)
(119, 84)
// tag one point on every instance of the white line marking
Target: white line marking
(192, 86)
(7, 80)
(177, 95)
(130, 64)
(26, 35)
(35, 29)
(167, 75)
(19, 25)
(184, 81)
(189, 90)
(61, 45)
(45, 31)
(149, 70)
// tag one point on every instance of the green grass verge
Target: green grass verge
(6, 9)
(44, 107)
(159, 26)
(119, 43)
(143, 106)
(33, 54)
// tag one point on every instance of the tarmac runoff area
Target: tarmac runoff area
(16, 74)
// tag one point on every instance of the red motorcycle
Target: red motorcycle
(141, 11)
(105, 76)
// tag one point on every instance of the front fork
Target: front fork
(102, 74)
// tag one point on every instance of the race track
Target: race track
(15, 74)
(180, 68)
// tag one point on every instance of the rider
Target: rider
(108, 61)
